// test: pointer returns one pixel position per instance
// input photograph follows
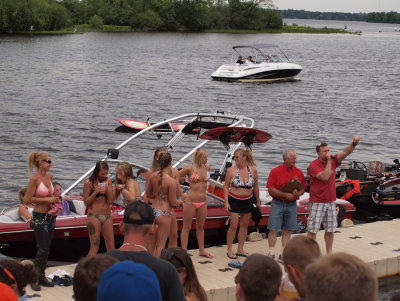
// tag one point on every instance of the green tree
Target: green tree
(192, 14)
(96, 21)
(148, 20)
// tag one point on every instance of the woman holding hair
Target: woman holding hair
(195, 204)
(173, 233)
(40, 192)
(126, 190)
(240, 197)
(98, 196)
(187, 274)
(161, 189)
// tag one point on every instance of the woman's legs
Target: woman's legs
(94, 227)
(108, 234)
(173, 232)
(164, 224)
(42, 243)
(230, 235)
(201, 214)
(188, 213)
(244, 224)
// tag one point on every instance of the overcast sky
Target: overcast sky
(348, 6)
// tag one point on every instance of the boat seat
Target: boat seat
(375, 169)
(77, 206)
(11, 215)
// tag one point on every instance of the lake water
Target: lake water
(65, 94)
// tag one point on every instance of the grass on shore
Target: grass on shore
(115, 28)
(285, 29)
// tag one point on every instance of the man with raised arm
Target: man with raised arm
(322, 208)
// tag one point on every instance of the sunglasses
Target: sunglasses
(167, 254)
(236, 157)
(7, 272)
(47, 161)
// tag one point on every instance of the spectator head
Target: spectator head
(129, 281)
(298, 253)
(21, 194)
(57, 189)
(183, 264)
(87, 275)
(138, 218)
(259, 278)
(340, 276)
(17, 275)
(140, 172)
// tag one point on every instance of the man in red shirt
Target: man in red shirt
(284, 197)
(322, 208)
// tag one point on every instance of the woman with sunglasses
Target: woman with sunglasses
(162, 189)
(241, 191)
(18, 275)
(98, 195)
(195, 204)
(40, 192)
(184, 266)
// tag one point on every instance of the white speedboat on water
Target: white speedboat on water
(268, 63)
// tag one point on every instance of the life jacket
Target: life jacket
(356, 188)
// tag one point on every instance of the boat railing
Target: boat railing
(237, 121)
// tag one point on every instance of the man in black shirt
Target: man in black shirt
(139, 229)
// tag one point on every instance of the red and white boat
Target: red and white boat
(71, 241)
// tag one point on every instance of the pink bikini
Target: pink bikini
(43, 191)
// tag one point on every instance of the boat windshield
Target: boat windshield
(260, 53)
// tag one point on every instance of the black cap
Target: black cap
(144, 213)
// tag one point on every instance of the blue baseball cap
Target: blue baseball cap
(128, 281)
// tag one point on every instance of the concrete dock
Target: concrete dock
(376, 243)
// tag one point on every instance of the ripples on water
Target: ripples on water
(65, 94)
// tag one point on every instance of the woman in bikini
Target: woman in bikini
(126, 189)
(98, 196)
(195, 204)
(25, 210)
(161, 189)
(40, 193)
(173, 234)
(241, 191)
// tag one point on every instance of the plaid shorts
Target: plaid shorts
(319, 213)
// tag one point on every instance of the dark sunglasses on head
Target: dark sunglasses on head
(7, 272)
(47, 161)
(167, 254)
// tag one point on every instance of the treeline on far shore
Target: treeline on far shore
(141, 15)
(375, 17)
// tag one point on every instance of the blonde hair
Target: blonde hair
(199, 154)
(245, 152)
(126, 168)
(34, 159)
